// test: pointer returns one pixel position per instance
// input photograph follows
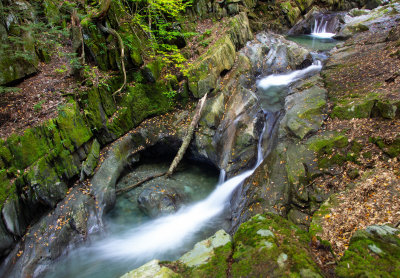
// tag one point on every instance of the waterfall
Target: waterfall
(168, 237)
(222, 176)
(171, 232)
(319, 30)
(286, 79)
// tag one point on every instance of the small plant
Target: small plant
(4, 90)
(38, 106)
(170, 95)
(63, 69)
(51, 126)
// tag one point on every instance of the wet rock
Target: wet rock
(6, 240)
(160, 200)
(306, 26)
(272, 53)
(304, 111)
(204, 250)
(219, 58)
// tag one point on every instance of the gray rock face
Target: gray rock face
(271, 53)
(160, 200)
(204, 250)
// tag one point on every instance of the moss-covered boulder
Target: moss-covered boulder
(373, 252)
(220, 57)
(272, 246)
(204, 250)
(348, 109)
(306, 111)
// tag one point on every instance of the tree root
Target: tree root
(121, 45)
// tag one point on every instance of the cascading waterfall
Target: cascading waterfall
(170, 232)
(319, 30)
(174, 233)
(275, 80)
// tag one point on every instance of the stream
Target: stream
(133, 238)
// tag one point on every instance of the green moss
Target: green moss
(271, 246)
(28, 147)
(292, 13)
(217, 266)
(371, 255)
(391, 148)
(326, 144)
(139, 102)
(7, 189)
(317, 219)
(349, 109)
(72, 126)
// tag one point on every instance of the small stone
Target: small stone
(375, 249)
(265, 233)
(282, 259)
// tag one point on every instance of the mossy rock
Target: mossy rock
(373, 252)
(292, 13)
(72, 126)
(385, 109)
(139, 102)
(391, 148)
(318, 217)
(325, 143)
(271, 246)
(353, 109)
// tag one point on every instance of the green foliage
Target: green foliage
(38, 106)
(4, 90)
(159, 19)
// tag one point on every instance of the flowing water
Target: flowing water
(320, 29)
(319, 39)
(168, 237)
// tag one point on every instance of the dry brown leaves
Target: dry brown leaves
(38, 97)
(375, 200)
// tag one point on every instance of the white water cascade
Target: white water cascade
(319, 30)
(169, 236)
(286, 79)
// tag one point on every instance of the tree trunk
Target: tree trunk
(188, 137)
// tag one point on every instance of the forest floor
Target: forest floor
(37, 97)
(368, 187)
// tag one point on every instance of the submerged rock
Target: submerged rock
(160, 200)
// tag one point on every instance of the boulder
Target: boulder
(160, 200)
(152, 269)
(374, 251)
(204, 250)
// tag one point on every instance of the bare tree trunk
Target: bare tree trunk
(188, 137)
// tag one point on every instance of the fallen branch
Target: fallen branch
(185, 144)
(122, 190)
(121, 45)
(188, 137)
